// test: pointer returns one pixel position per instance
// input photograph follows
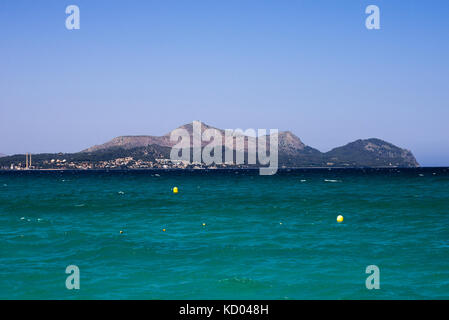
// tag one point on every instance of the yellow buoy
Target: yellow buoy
(175, 190)
(121, 231)
(340, 219)
(204, 224)
(163, 230)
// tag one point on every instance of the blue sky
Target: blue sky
(146, 67)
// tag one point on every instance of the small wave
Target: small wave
(237, 282)
(303, 180)
(331, 180)
(121, 192)
(80, 205)
(29, 220)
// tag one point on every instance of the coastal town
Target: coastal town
(118, 163)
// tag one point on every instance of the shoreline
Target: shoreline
(219, 169)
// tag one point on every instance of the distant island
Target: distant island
(147, 152)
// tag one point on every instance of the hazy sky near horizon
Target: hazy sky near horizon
(147, 67)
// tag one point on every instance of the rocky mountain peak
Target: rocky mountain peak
(189, 127)
(288, 140)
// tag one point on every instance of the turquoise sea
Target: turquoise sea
(265, 237)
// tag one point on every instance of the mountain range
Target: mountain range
(292, 151)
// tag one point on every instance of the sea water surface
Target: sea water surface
(264, 237)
